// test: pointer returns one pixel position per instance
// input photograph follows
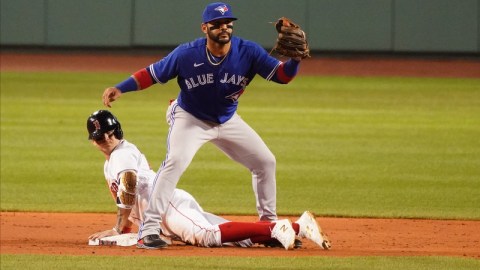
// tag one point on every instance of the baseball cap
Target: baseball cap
(217, 10)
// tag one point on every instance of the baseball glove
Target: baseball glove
(291, 41)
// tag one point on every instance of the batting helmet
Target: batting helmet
(102, 121)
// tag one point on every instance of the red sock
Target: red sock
(266, 239)
(238, 231)
(296, 228)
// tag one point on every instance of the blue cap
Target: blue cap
(217, 10)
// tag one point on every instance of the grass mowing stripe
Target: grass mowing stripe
(39, 262)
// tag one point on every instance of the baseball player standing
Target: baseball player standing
(212, 73)
(130, 181)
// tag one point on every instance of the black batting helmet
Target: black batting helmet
(103, 121)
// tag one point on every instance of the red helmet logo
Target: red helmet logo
(96, 124)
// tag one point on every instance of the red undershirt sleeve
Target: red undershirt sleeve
(286, 71)
(143, 78)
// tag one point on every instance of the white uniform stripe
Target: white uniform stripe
(152, 71)
(172, 122)
(269, 77)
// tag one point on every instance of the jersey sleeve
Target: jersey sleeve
(121, 161)
(264, 64)
(167, 68)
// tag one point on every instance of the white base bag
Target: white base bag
(124, 240)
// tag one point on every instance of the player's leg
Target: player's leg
(242, 144)
(186, 219)
(236, 231)
(260, 232)
(186, 135)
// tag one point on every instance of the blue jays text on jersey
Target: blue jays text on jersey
(204, 79)
(210, 91)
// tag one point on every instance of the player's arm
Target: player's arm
(139, 80)
(122, 226)
(286, 71)
(159, 72)
(125, 197)
(271, 68)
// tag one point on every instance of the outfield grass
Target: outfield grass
(38, 262)
(369, 147)
(363, 147)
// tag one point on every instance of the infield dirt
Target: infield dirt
(67, 234)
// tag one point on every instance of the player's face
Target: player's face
(107, 143)
(220, 31)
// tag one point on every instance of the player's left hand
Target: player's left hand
(291, 41)
(100, 235)
(109, 95)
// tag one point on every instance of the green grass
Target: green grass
(365, 147)
(369, 147)
(37, 262)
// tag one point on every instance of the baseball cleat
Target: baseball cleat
(151, 242)
(310, 229)
(274, 243)
(284, 233)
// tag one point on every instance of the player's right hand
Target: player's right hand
(100, 235)
(110, 95)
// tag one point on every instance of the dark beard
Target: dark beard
(216, 38)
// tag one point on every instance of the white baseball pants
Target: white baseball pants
(235, 138)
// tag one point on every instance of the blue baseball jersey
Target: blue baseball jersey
(208, 91)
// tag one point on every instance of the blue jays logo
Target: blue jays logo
(235, 96)
(222, 9)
